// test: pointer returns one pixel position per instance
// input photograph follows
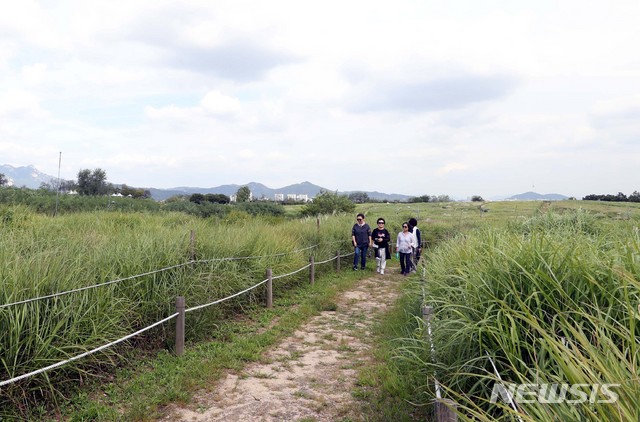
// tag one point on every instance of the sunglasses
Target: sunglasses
(380, 222)
(359, 219)
(405, 227)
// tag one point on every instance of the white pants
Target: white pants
(381, 258)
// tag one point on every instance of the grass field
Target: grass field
(510, 280)
(543, 294)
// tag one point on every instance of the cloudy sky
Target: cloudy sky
(461, 97)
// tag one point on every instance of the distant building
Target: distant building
(279, 196)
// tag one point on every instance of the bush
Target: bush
(328, 203)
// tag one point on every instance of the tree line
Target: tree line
(619, 197)
(94, 183)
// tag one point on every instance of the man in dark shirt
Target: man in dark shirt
(361, 239)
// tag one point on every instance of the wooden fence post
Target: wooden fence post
(312, 271)
(180, 325)
(269, 288)
(427, 312)
(445, 410)
(338, 261)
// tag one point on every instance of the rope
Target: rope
(80, 356)
(511, 401)
(195, 308)
(433, 354)
(328, 260)
(255, 256)
(292, 273)
(149, 273)
(92, 287)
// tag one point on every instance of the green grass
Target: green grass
(141, 391)
(42, 255)
(512, 281)
(551, 298)
(389, 388)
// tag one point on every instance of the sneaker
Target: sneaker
(378, 270)
(381, 271)
(355, 268)
(362, 268)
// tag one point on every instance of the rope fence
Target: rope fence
(181, 310)
(93, 286)
(191, 262)
(195, 308)
(445, 409)
(82, 355)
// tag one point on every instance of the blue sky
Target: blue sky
(416, 97)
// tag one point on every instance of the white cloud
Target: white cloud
(34, 74)
(216, 103)
(20, 105)
(473, 98)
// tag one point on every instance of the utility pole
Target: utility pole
(58, 184)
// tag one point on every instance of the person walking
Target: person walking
(404, 246)
(417, 250)
(361, 239)
(381, 238)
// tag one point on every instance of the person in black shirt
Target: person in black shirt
(417, 250)
(361, 239)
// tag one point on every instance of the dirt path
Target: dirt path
(311, 374)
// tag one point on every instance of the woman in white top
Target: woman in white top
(404, 246)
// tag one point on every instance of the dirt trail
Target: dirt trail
(311, 374)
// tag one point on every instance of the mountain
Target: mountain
(27, 176)
(258, 190)
(533, 196)
(32, 178)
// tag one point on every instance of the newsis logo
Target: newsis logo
(555, 393)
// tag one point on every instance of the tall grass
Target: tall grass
(41, 255)
(552, 299)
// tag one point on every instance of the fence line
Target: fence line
(195, 308)
(327, 260)
(176, 314)
(93, 286)
(511, 400)
(80, 356)
(150, 273)
(444, 409)
(204, 261)
(291, 273)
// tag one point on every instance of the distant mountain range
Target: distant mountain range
(27, 176)
(32, 178)
(533, 196)
(258, 190)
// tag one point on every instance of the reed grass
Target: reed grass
(42, 255)
(550, 299)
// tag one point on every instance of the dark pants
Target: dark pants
(405, 262)
(361, 254)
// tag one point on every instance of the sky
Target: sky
(458, 98)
